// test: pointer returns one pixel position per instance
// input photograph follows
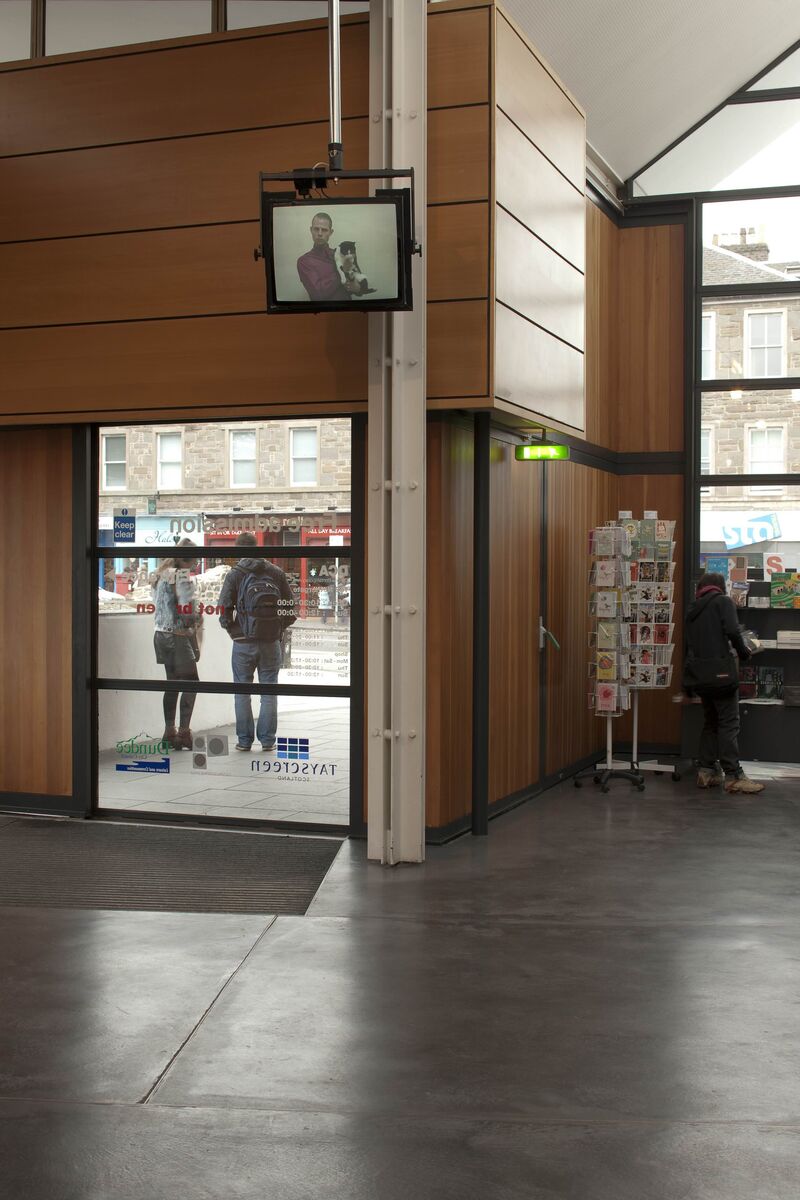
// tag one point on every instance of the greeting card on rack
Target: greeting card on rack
(607, 635)
(606, 697)
(605, 604)
(605, 572)
(606, 665)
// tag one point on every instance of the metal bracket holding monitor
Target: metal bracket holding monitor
(316, 179)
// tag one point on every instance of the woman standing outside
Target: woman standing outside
(178, 626)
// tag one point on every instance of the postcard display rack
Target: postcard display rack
(632, 603)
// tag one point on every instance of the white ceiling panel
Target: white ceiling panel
(647, 70)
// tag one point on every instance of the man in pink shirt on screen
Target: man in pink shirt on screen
(317, 268)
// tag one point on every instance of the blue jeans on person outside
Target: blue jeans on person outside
(247, 658)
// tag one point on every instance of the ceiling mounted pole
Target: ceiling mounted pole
(335, 150)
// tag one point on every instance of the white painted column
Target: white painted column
(396, 463)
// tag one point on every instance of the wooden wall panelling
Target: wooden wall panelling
(458, 154)
(659, 718)
(458, 251)
(36, 607)
(536, 282)
(514, 573)
(536, 371)
(538, 104)
(602, 333)
(449, 623)
(161, 184)
(578, 498)
(531, 188)
(182, 365)
(254, 80)
(458, 57)
(649, 327)
(458, 349)
(132, 276)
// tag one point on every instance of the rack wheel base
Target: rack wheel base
(577, 783)
(676, 776)
(604, 788)
(640, 787)
(597, 779)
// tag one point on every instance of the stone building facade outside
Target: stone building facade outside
(734, 422)
(206, 466)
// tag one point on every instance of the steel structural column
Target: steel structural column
(396, 464)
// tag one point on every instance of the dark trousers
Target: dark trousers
(720, 737)
(177, 656)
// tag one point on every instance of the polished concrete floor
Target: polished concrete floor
(598, 1002)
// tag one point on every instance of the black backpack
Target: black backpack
(258, 607)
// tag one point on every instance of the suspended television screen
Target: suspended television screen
(337, 255)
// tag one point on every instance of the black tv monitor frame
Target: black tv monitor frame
(406, 246)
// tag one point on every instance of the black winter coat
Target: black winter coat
(712, 627)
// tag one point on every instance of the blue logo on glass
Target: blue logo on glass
(293, 747)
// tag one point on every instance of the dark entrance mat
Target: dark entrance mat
(89, 864)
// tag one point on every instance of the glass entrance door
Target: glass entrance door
(228, 585)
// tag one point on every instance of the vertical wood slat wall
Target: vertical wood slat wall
(634, 335)
(36, 612)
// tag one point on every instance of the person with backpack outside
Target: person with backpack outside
(710, 671)
(257, 606)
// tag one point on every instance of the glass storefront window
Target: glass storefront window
(15, 30)
(750, 433)
(287, 483)
(304, 779)
(315, 646)
(73, 25)
(751, 241)
(763, 529)
(751, 337)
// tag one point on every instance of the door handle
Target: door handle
(544, 634)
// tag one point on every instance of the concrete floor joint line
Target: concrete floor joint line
(160, 1079)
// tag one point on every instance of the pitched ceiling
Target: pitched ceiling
(646, 70)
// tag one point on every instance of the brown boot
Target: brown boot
(183, 740)
(744, 786)
(170, 736)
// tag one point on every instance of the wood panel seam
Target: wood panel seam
(544, 155)
(543, 328)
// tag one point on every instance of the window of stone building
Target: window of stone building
(765, 343)
(706, 455)
(114, 462)
(243, 468)
(15, 30)
(709, 345)
(73, 25)
(766, 453)
(304, 456)
(170, 460)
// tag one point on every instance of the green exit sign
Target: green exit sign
(538, 452)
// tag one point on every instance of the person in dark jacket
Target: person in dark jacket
(712, 628)
(257, 606)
